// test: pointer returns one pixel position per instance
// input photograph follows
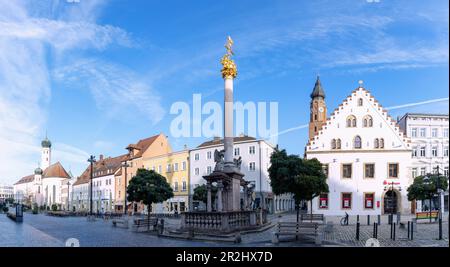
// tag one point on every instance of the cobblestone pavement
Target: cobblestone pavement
(425, 234)
(41, 230)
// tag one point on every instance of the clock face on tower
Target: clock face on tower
(320, 109)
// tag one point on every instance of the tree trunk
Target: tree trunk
(430, 208)
(149, 208)
(297, 207)
(311, 209)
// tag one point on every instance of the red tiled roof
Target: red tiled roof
(142, 145)
(56, 170)
(25, 179)
(101, 168)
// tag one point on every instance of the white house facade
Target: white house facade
(365, 155)
(430, 147)
(255, 155)
(6, 192)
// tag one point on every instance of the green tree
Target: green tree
(304, 178)
(423, 189)
(201, 193)
(149, 187)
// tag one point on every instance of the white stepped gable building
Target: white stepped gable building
(255, 155)
(365, 156)
(430, 147)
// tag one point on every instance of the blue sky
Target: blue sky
(98, 75)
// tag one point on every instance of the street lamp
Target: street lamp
(125, 165)
(91, 160)
(68, 193)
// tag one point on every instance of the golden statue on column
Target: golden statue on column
(229, 69)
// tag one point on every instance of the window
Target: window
(434, 132)
(252, 166)
(237, 152)
(357, 143)
(346, 200)
(184, 188)
(422, 151)
(209, 155)
(351, 121)
(251, 150)
(381, 143)
(325, 169)
(423, 132)
(347, 170)
(414, 132)
(434, 151)
(159, 169)
(197, 171)
(183, 166)
(208, 170)
(393, 170)
(446, 132)
(368, 200)
(414, 173)
(323, 201)
(338, 144)
(333, 144)
(175, 167)
(360, 102)
(196, 156)
(414, 152)
(369, 170)
(446, 171)
(168, 168)
(367, 121)
(446, 151)
(176, 187)
(423, 171)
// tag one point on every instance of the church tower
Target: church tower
(318, 109)
(46, 153)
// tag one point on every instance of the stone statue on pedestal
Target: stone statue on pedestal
(218, 159)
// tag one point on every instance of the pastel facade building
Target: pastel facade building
(430, 147)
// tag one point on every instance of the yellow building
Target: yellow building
(175, 167)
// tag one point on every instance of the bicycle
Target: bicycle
(344, 220)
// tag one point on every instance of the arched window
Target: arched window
(376, 143)
(351, 121)
(333, 144)
(381, 143)
(338, 144)
(357, 142)
(367, 121)
(360, 102)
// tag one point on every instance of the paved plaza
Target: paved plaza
(47, 231)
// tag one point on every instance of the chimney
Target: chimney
(101, 157)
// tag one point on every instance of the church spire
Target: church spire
(318, 90)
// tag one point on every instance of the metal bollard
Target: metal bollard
(392, 230)
(368, 219)
(440, 228)
(398, 217)
(409, 229)
(379, 219)
(394, 233)
(412, 230)
(357, 231)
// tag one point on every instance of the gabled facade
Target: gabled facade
(366, 157)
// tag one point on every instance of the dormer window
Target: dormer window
(360, 102)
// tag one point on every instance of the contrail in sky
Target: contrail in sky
(303, 126)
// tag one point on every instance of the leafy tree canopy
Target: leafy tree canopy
(422, 189)
(304, 178)
(149, 187)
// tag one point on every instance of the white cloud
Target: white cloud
(27, 30)
(118, 91)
